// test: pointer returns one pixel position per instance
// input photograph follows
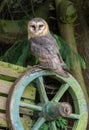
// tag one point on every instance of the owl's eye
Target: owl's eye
(33, 26)
(40, 26)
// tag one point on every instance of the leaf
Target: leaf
(82, 61)
(61, 123)
(66, 51)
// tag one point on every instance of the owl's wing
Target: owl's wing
(48, 46)
(46, 49)
(54, 49)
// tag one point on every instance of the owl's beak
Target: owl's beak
(36, 29)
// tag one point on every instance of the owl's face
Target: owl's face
(37, 27)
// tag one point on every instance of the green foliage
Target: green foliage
(66, 51)
(61, 123)
(44, 127)
(17, 53)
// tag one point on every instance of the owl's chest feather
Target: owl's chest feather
(44, 46)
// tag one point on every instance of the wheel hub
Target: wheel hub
(53, 110)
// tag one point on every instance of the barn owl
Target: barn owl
(44, 47)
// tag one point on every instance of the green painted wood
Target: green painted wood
(75, 90)
(42, 92)
(38, 124)
(52, 126)
(74, 116)
(79, 102)
(31, 106)
(60, 92)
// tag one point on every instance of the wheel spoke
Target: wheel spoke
(41, 88)
(38, 124)
(74, 116)
(31, 106)
(52, 125)
(60, 92)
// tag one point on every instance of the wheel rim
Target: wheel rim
(70, 84)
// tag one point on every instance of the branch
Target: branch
(4, 2)
(10, 31)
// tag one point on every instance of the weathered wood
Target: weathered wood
(10, 70)
(6, 85)
(26, 121)
(29, 92)
(3, 103)
(8, 74)
(23, 111)
(3, 122)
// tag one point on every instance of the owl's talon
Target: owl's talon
(36, 66)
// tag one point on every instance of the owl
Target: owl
(44, 47)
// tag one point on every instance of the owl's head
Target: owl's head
(37, 27)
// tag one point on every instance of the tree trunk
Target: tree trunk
(67, 32)
(82, 31)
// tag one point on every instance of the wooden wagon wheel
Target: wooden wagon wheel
(48, 110)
